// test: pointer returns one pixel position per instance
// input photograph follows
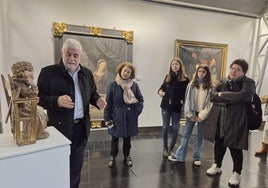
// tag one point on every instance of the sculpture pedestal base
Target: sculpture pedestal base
(43, 164)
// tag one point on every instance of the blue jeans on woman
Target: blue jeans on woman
(175, 119)
(182, 149)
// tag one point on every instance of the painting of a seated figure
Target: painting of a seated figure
(23, 81)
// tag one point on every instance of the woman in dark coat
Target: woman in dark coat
(172, 91)
(226, 123)
(124, 105)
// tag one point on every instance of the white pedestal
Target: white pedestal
(40, 165)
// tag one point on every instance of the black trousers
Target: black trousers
(219, 152)
(126, 146)
(79, 141)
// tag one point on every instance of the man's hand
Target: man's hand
(65, 101)
(101, 103)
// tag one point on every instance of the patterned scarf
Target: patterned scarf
(128, 95)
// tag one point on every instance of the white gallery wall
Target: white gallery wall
(26, 34)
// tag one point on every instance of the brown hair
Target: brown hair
(207, 79)
(180, 75)
(126, 64)
(242, 63)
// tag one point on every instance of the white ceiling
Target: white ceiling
(249, 8)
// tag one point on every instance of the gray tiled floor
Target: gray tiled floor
(150, 170)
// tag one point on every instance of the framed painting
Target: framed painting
(193, 53)
(103, 51)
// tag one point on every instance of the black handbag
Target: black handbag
(254, 112)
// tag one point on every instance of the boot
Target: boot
(170, 151)
(165, 151)
(262, 150)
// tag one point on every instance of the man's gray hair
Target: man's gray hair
(71, 43)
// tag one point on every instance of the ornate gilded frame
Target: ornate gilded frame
(193, 53)
(60, 29)
(120, 41)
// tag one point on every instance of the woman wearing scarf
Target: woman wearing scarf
(196, 108)
(226, 124)
(124, 105)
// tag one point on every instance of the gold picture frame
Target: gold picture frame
(193, 53)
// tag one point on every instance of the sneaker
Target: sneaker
(234, 180)
(111, 162)
(173, 158)
(128, 161)
(197, 162)
(170, 153)
(213, 170)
